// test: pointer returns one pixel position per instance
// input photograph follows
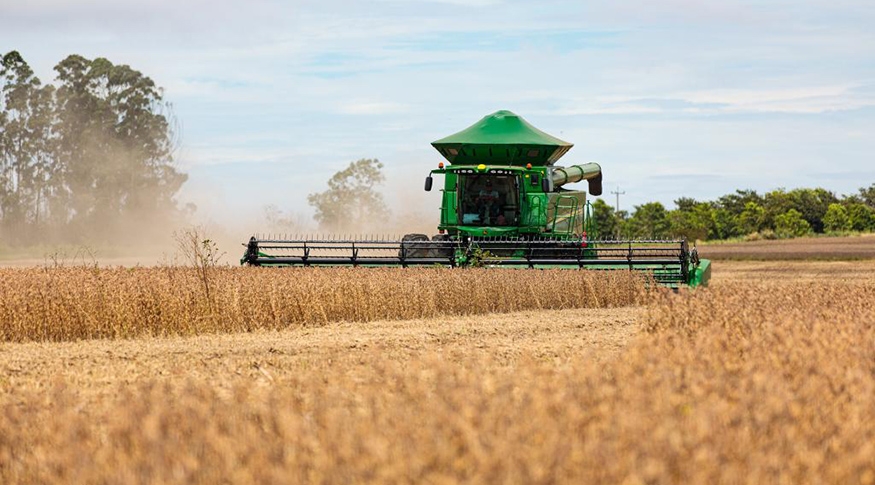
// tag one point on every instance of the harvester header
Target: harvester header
(504, 203)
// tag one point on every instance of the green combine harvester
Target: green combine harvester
(504, 205)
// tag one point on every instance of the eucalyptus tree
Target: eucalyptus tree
(27, 175)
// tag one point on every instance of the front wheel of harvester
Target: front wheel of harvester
(414, 246)
(441, 247)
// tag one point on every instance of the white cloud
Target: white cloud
(373, 108)
(792, 99)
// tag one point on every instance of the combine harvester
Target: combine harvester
(503, 205)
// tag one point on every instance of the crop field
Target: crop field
(168, 375)
(57, 304)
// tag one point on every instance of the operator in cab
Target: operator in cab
(488, 204)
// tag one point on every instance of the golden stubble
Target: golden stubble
(763, 381)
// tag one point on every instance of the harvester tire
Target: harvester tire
(442, 249)
(414, 246)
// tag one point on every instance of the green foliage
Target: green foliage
(693, 220)
(725, 224)
(861, 217)
(836, 219)
(351, 202)
(686, 204)
(775, 203)
(867, 195)
(791, 224)
(752, 218)
(608, 222)
(649, 220)
(813, 204)
(735, 203)
(746, 213)
(477, 257)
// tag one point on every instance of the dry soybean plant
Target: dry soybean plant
(762, 383)
(71, 303)
(201, 253)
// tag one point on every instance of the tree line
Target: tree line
(776, 214)
(85, 157)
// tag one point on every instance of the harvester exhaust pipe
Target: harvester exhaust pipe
(590, 172)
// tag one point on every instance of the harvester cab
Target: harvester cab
(504, 203)
(521, 201)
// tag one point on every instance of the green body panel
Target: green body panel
(701, 274)
(449, 216)
(555, 213)
(488, 231)
(502, 138)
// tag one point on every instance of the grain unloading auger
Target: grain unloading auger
(504, 204)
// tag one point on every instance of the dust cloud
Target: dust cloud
(140, 243)
(412, 210)
(150, 237)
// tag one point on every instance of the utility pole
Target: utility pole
(618, 194)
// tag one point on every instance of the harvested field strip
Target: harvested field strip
(58, 304)
(762, 383)
(96, 367)
(797, 271)
(848, 248)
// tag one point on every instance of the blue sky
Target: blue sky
(673, 98)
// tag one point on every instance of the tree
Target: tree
(867, 194)
(836, 219)
(279, 221)
(649, 220)
(351, 202)
(752, 218)
(775, 203)
(93, 152)
(791, 224)
(116, 141)
(607, 222)
(813, 204)
(26, 176)
(735, 203)
(685, 204)
(696, 221)
(725, 224)
(861, 217)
